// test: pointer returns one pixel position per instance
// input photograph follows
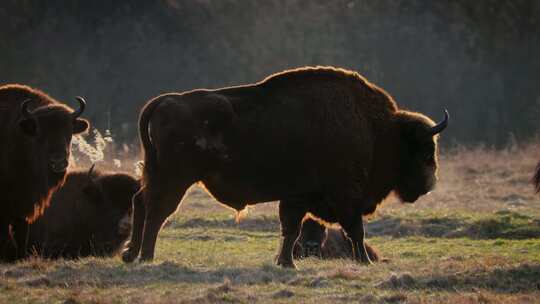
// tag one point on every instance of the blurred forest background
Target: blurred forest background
(480, 59)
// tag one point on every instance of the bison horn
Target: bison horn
(82, 106)
(438, 128)
(24, 108)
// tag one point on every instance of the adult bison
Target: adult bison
(35, 136)
(89, 216)
(320, 140)
(536, 178)
(326, 242)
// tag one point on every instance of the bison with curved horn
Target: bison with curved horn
(35, 136)
(90, 215)
(320, 140)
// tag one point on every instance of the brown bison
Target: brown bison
(536, 178)
(35, 136)
(320, 140)
(89, 216)
(326, 242)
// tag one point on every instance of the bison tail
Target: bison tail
(150, 154)
(536, 178)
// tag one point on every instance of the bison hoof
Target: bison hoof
(366, 262)
(128, 256)
(144, 259)
(286, 264)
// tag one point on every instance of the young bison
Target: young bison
(320, 140)
(89, 216)
(35, 141)
(326, 242)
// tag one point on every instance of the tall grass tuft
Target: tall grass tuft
(101, 149)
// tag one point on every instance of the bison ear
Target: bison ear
(29, 126)
(92, 190)
(80, 125)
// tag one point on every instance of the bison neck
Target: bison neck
(385, 170)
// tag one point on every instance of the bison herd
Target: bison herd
(323, 141)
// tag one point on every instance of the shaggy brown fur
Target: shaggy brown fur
(327, 243)
(89, 215)
(536, 178)
(320, 140)
(33, 159)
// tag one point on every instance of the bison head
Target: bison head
(311, 238)
(418, 154)
(110, 195)
(51, 128)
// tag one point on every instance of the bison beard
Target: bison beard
(89, 216)
(326, 242)
(320, 140)
(35, 136)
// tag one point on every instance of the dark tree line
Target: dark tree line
(479, 59)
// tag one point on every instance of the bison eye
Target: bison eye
(428, 156)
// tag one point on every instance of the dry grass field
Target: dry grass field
(475, 239)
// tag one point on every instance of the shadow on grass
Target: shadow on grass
(138, 275)
(522, 278)
(262, 223)
(502, 224)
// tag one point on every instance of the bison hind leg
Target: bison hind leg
(161, 200)
(139, 213)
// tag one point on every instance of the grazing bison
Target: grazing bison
(89, 216)
(326, 242)
(320, 140)
(35, 136)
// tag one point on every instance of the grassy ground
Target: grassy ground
(476, 239)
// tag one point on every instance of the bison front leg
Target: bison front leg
(7, 244)
(291, 214)
(139, 214)
(355, 231)
(20, 231)
(160, 203)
